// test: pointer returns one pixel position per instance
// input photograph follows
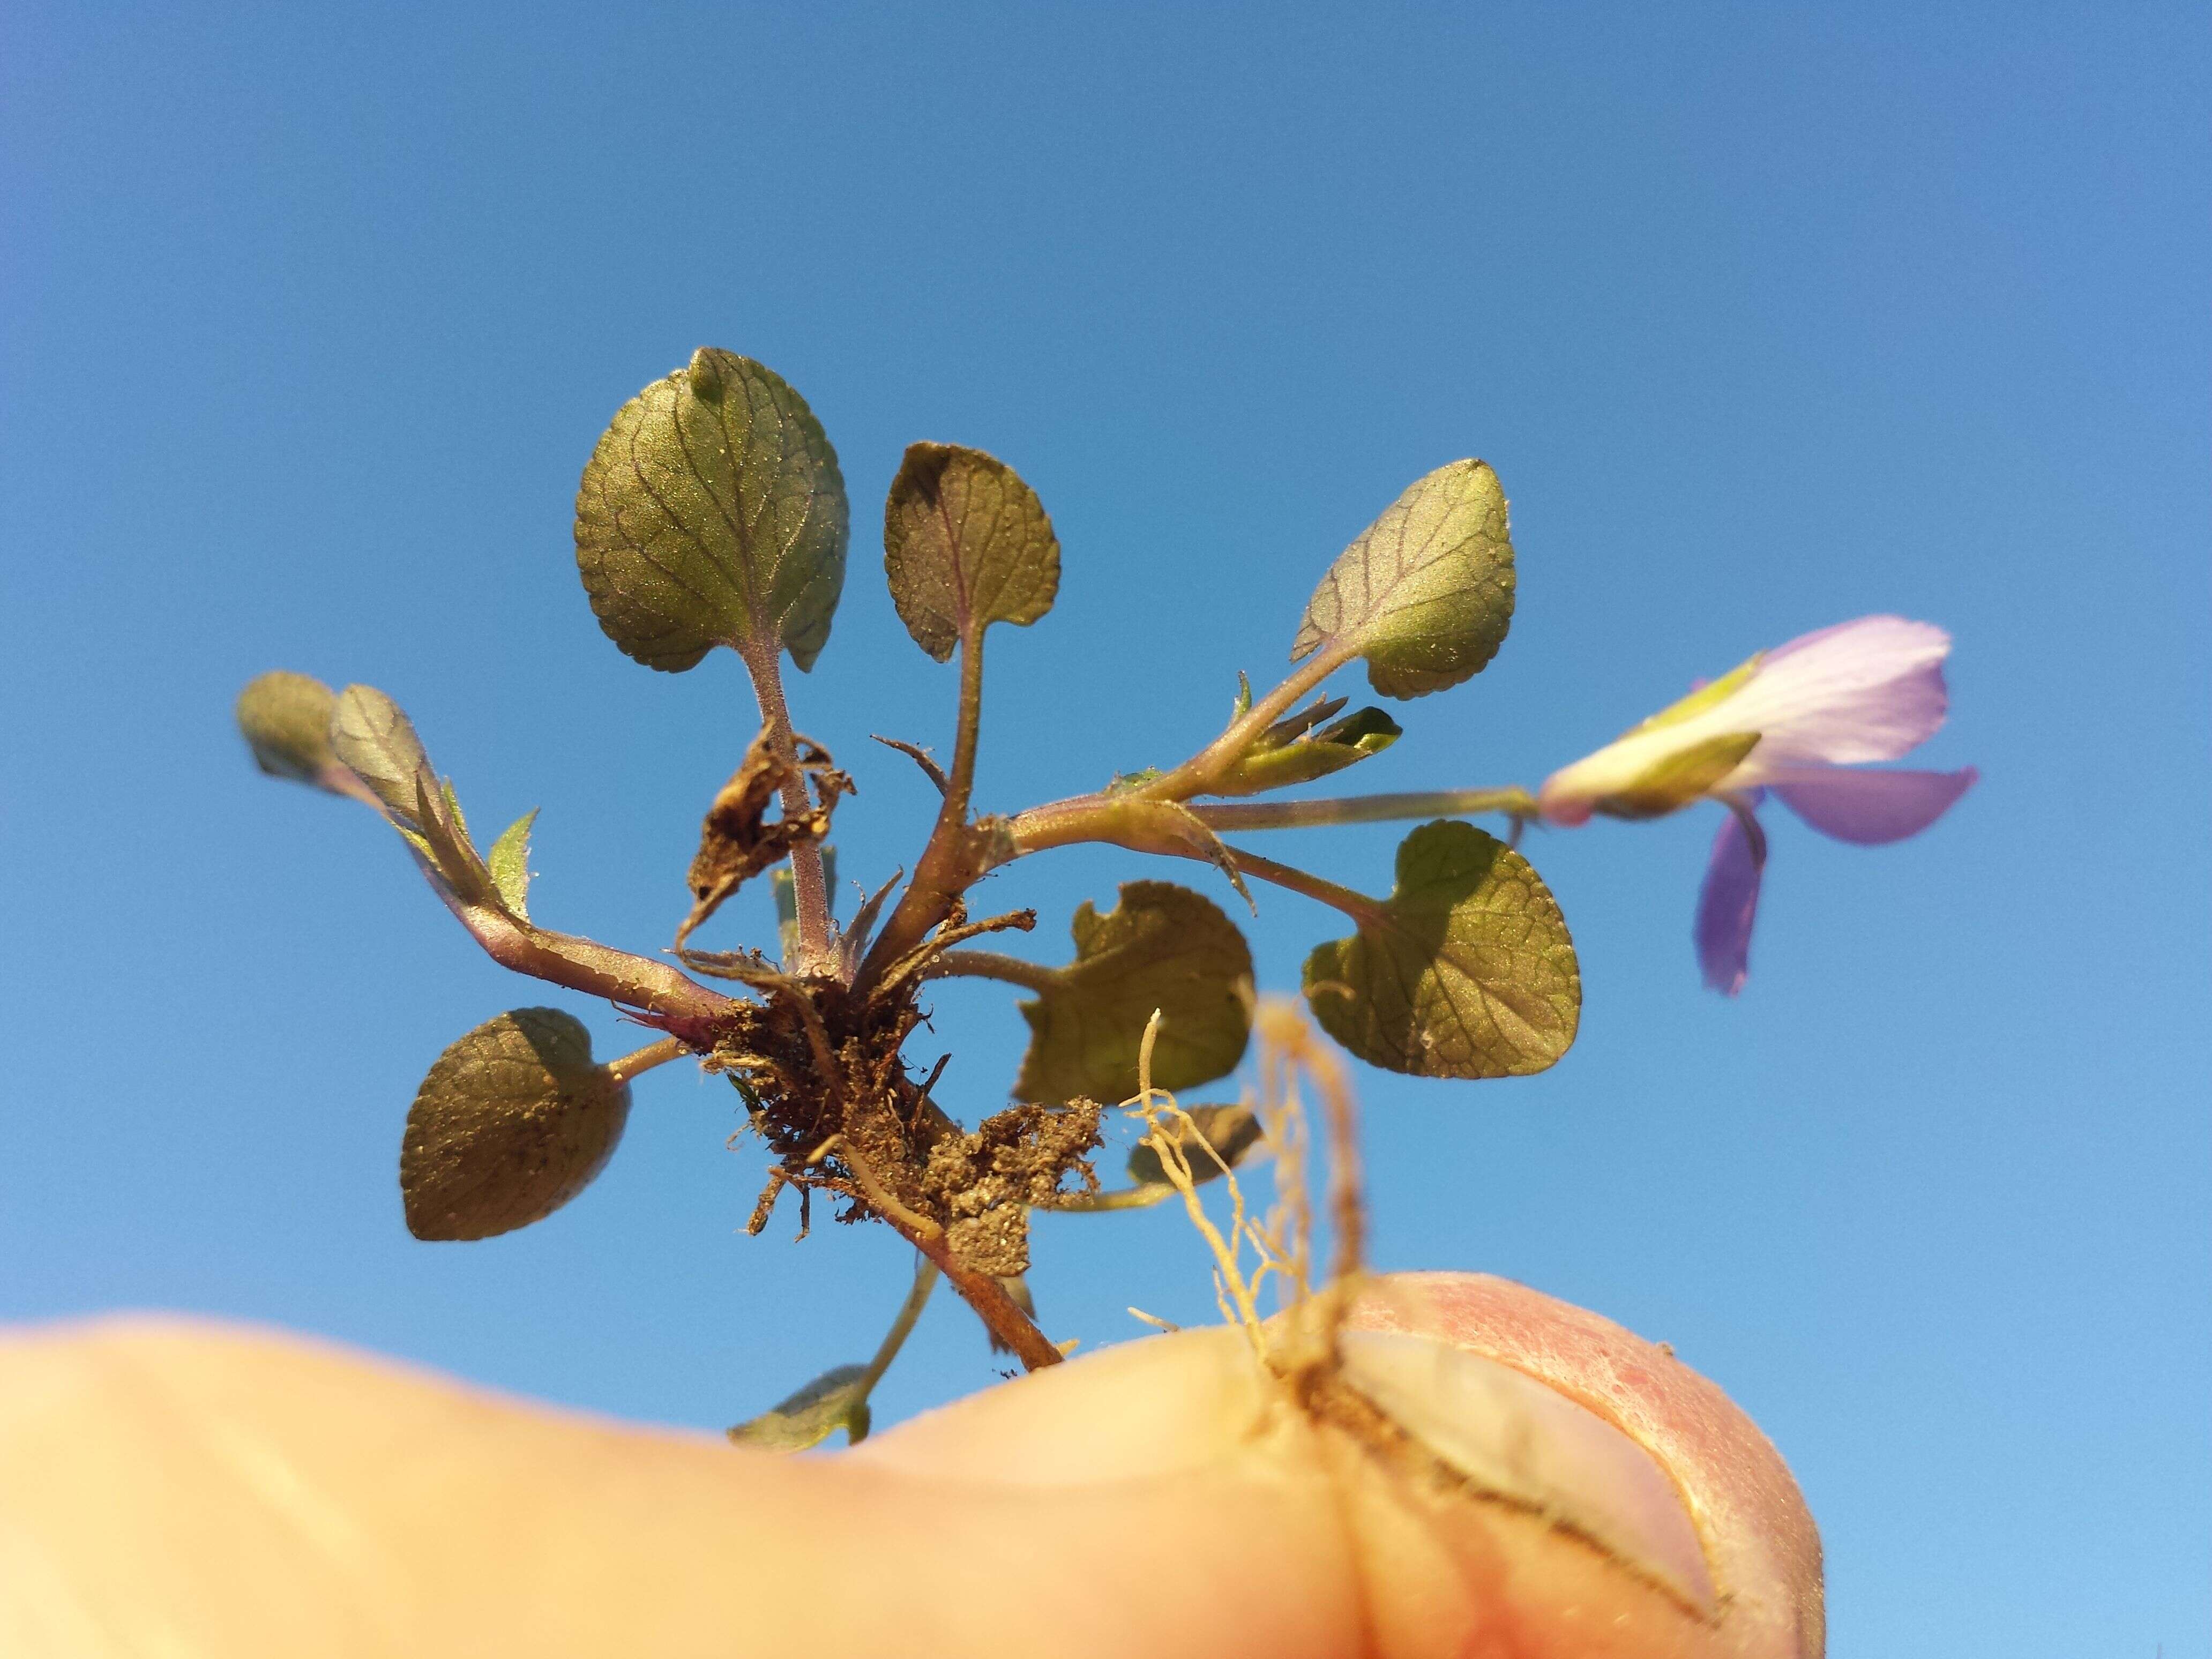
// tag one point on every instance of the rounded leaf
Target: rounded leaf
(286, 720)
(966, 543)
(513, 1121)
(1162, 947)
(1425, 593)
(713, 513)
(372, 736)
(1468, 971)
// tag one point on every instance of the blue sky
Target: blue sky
(1767, 317)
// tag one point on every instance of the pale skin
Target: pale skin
(185, 1489)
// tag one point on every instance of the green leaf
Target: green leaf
(441, 836)
(1425, 593)
(966, 543)
(511, 1122)
(374, 738)
(1298, 749)
(713, 513)
(1230, 1131)
(510, 865)
(286, 720)
(835, 1399)
(1468, 971)
(1162, 947)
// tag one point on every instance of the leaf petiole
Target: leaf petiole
(1192, 777)
(992, 964)
(810, 887)
(1123, 1198)
(1356, 905)
(644, 1060)
(925, 1276)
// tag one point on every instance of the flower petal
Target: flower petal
(1863, 690)
(1727, 903)
(1870, 808)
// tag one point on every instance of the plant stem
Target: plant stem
(1513, 800)
(953, 860)
(961, 781)
(1119, 1198)
(1121, 821)
(991, 965)
(1194, 775)
(926, 1275)
(1064, 823)
(946, 867)
(676, 1002)
(809, 890)
(645, 1059)
(999, 1311)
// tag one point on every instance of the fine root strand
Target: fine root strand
(1254, 1255)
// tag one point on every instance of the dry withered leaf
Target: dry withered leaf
(738, 841)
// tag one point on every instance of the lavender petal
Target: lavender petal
(1727, 903)
(1863, 690)
(1869, 808)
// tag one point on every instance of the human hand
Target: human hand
(172, 1487)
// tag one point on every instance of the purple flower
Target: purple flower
(1797, 720)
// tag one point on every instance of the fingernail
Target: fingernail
(1517, 1439)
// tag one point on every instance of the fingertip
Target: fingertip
(1609, 1500)
(1760, 1540)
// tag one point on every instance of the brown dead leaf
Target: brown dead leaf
(738, 841)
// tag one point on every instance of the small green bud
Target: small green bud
(286, 720)
(1300, 749)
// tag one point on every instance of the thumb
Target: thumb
(194, 1489)
(1595, 1497)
